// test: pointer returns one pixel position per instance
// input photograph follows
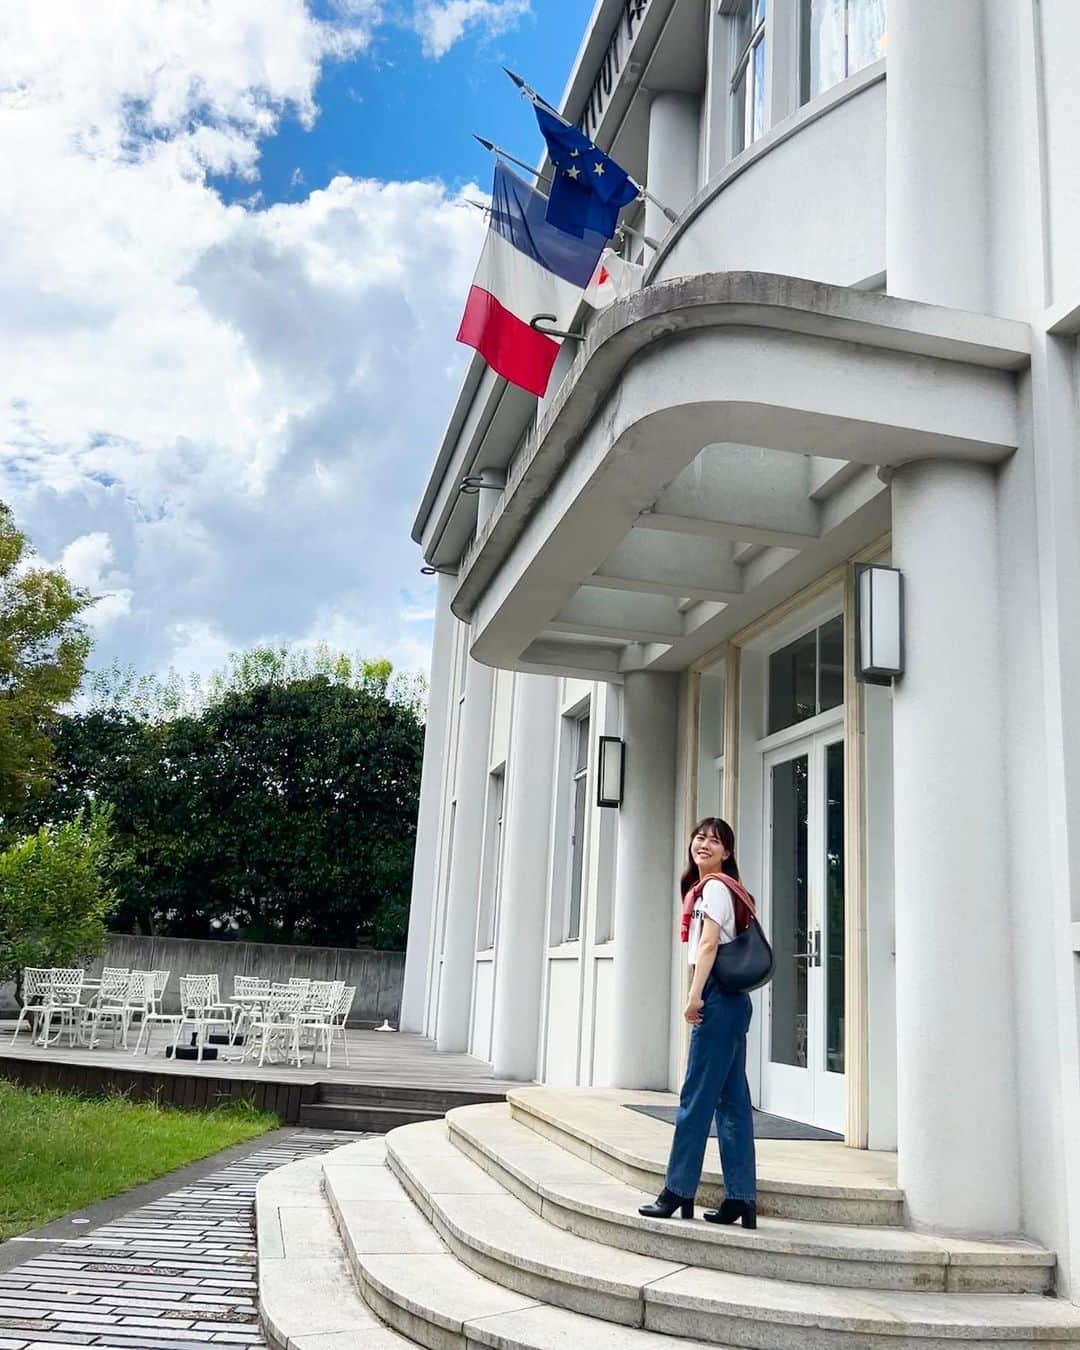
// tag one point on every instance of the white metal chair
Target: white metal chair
(252, 987)
(319, 988)
(62, 1000)
(120, 1007)
(138, 1001)
(317, 1014)
(113, 984)
(103, 1004)
(156, 1014)
(278, 1024)
(200, 1008)
(216, 1002)
(249, 984)
(161, 983)
(346, 999)
(35, 988)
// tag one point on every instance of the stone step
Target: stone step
(308, 1299)
(796, 1180)
(582, 1199)
(436, 1100)
(355, 1116)
(438, 1302)
(502, 1239)
(420, 1289)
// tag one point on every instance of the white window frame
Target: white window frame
(803, 67)
(782, 734)
(487, 925)
(742, 74)
(562, 871)
(577, 859)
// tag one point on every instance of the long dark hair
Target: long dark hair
(721, 830)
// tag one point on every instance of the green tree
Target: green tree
(153, 698)
(55, 895)
(110, 757)
(279, 805)
(43, 651)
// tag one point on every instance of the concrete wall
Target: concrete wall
(827, 172)
(377, 975)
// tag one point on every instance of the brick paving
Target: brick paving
(177, 1272)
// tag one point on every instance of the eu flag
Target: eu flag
(588, 189)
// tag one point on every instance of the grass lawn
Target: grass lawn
(59, 1152)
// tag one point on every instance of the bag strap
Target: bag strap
(737, 889)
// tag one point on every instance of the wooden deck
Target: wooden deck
(390, 1065)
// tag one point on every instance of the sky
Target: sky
(234, 248)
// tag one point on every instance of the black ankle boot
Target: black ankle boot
(730, 1210)
(665, 1205)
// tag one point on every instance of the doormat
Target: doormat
(765, 1126)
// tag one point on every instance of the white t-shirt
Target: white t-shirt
(714, 901)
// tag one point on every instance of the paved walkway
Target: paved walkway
(177, 1272)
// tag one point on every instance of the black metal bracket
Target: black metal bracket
(539, 319)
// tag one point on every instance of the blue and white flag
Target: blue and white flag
(588, 189)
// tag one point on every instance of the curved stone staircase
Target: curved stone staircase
(515, 1226)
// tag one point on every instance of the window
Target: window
(748, 80)
(450, 833)
(807, 676)
(839, 37)
(578, 819)
(492, 877)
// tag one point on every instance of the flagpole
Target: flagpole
(511, 159)
(637, 234)
(527, 91)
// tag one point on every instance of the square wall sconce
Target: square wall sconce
(879, 624)
(611, 765)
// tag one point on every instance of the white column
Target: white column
(674, 132)
(521, 941)
(958, 1146)
(936, 234)
(422, 904)
(644, 886)
(463, 890)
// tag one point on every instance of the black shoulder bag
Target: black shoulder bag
(746, 962)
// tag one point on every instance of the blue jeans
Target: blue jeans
(716, 1083)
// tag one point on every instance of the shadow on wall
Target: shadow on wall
(377, 975)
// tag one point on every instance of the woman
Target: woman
(715, 908)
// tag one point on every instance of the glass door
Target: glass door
(803, 1044)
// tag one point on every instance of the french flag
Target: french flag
(527, 267)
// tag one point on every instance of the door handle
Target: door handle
(815, 947)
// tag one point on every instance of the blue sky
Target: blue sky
(393, 113)
(232, 275)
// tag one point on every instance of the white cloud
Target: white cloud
(88, 563)
(441, 23)
(228, 413)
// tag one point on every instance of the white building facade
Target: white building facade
(857, 343)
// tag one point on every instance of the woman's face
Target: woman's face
(707, 851)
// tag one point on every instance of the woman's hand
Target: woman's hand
(692, 1011)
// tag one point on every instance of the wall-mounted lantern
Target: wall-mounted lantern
(610, 768)
(879, 624)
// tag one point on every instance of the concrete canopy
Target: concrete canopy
(681, 458)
